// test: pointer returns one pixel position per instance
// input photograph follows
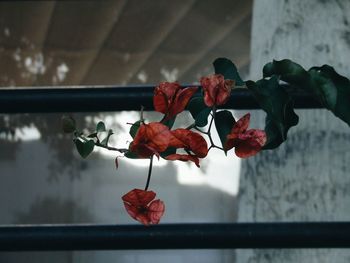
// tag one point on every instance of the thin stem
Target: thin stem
(209, 129)
(149, 173)
(212, 119)
(121, 150)
(217, 147)
(141, 114)
(212, 144)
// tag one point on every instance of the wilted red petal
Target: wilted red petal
(246, 142)
(198, 145)
(248, 147)
(164, 95)
(139, 205)
(138, 214)
(175, 142)
(158, 135)
(143, 219)
(181, 100)
(183, 157)
(224, 92)
(170, 99)
(152, 138)
(139, 197)
(241, 125)
(156, 211)
(132, 210)
(191, 140)
(260, 136)
(216, 89)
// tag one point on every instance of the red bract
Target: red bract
(193, 143)
(246, 142)
(216, 89)
(139, 205)
(171, 99)
(150, 139)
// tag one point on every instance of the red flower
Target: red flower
(217, 90)
(246, 142)
(152, 138)
(191, 142)
(171, 99)
(139, 205)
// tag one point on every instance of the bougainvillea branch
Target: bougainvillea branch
(149, 173)
(188, 144)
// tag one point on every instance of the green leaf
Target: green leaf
(134, 128)
(224, 122)
(68, 124)
(131, 155)
(100, 127)
(226, 67)
(105, 140)
(199, 111)
(331, 89)
(278, 105)
(288, 71)
(84, 147)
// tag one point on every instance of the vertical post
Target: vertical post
(307, 178)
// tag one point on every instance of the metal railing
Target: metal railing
(164, 236)
(108, 98)
(175, 236)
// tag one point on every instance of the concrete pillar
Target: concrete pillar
(308, 177)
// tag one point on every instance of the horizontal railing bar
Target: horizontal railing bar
(175, 236)
(109, 98)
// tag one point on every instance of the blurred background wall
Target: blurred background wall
(43, 180)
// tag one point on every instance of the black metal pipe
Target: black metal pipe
(175, 236)
(108, 98)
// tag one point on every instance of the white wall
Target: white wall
(307, 178)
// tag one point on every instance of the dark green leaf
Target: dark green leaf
(224, 122)
(131, 155)
(68, 124)
(202, 117)
(199, 111)
(288, 71)
(225, 67)
(134, 128)
(84, 147)
(92, 135)
(170, 150)
(324, 83)
(105, 140)
(278, 105)
(332, 89)
(169, 123)
(100, 127)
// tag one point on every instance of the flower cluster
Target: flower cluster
(205, 103)
(157, 138)
(141, 206)
(181, 144)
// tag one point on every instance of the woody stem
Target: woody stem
(141, 114)
(212, 119)
(149, 173)
(121, 150)
(209, 130)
